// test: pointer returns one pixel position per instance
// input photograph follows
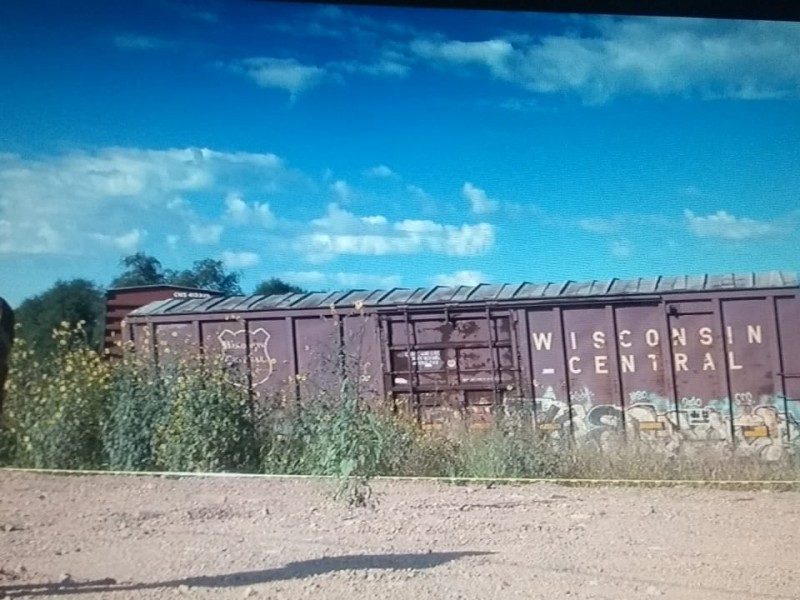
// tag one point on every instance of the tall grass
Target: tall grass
(72, 409)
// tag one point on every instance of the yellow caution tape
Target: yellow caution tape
(500, 480)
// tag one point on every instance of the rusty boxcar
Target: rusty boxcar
(670, 360)
(120, 301)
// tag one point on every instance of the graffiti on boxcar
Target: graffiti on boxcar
(630, 363)
(234, 347)
(762, 429)
(582, 395)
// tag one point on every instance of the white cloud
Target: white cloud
(479, 202)
(385, 67)
(132, 41)
(380, 171)
(281, 73)
(598, 225)
(342, 280)
(468, 278)
(31, 238)
(305, 278)
(205, 235)
(126, 242)
(365, 280)
(242, 213)
(239, 260)
(418, 192)
(686, 57)
(724, 225)
(524, 105)
(621, 248)
(341, 232)
(492, 54)
(342, 190)
(54, 203)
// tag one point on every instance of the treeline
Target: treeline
(83, 301)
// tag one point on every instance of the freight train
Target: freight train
(670, 361)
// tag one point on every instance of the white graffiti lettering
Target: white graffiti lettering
(691, 402)
(583, 394)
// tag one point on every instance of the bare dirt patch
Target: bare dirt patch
(145, 537)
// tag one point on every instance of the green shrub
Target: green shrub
(138, 405)
(206, 423)
(54, 407)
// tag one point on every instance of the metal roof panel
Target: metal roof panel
(480, 293)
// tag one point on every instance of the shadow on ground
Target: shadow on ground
(295, 570)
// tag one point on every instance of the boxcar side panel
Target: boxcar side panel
(644, 362)
(270, 356)
(548, 367)
(788, 319)
(591, 368)
(362, 349)
(756, 404)
(699, 355)
(172, 339)
(319, 360)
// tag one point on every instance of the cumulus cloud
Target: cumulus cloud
(54, 203)
(621, 248)
(385, 67)
(342, 280)
(239, 260)
(469, 278)
(127, 243)
(495, 55)
(479, 202)
(342, 191)
(205, 235)
(380, 171)
(686, 57)
(285, 74)
(598, 225)
(341, 232)
(132, 41)
(241, 213)
(30, 238)
(726, 226)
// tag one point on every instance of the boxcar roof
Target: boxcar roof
(472, 294)
(156, 286)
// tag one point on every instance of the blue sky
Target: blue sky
(340, 147)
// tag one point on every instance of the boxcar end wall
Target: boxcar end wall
(670, 364)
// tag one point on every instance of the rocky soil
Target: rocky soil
(149, 537)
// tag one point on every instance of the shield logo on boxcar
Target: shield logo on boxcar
(261, 362)
(234, 347)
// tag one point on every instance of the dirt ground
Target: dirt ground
(150, 537)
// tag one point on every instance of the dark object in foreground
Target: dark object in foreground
(7, 322)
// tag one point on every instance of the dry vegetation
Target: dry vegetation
(73, 410)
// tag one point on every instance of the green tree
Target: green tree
(207, 274)
(274, 286)
(140, 269)
(71, 301)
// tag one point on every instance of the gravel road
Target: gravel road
(151, 537)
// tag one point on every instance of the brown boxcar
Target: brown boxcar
(121, 301)
(669, 361)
